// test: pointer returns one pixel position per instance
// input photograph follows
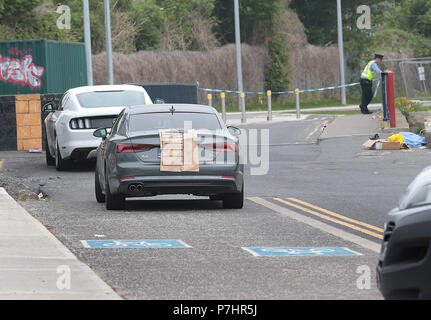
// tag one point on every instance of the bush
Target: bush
(406, 106)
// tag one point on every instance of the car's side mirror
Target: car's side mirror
(100, 133)
(49, 107)
(159, 101)
(234, 130)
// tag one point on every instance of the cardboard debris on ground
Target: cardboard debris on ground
(179, 151)
(384, 145)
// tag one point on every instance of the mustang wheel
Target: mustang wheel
(50, 160)
(60, 164)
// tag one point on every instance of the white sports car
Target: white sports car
(69, 128)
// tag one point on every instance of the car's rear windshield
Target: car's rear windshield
(118, 98)
(177, 120)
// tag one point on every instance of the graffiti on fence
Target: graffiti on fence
(22, 71)
(20, 52)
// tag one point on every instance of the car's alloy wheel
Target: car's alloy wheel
(114, 201)
(50, 160)
(100, 197)
(235, 200)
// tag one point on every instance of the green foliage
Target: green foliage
(11, 10)
(29, 19)
(413, 16)
(276, 75)
(180, 16)
(256, 19)
(399, 40)
(397, 26)
(150, 16)
(97, 22)
(260, 25)
(406, 106)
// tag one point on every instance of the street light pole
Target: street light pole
(341, 51)
(238, 51)
(87, 39)
(109, 67)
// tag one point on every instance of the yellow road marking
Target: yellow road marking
(1, 163)
(369, 226)
(330, 219)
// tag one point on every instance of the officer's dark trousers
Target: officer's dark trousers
(367, 94)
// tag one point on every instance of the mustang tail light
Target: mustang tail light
(80, 123)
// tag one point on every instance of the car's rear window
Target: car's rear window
(177, 120)
(120, 98)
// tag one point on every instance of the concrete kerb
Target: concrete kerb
(36, 265)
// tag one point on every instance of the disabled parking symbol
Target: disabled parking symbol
(301, 251)
(134, 244)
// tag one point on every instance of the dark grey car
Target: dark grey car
(128, 158)
(403, 271)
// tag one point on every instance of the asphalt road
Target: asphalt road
(336, 175)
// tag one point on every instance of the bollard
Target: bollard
(298, 115)
(223, 106)
(269, 117)
(210, 99)
(242, 99)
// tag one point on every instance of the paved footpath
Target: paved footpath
(254, 117)
(364, 125)
(35, 265)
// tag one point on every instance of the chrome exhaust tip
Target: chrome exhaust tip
(139, 187)
(132, 187)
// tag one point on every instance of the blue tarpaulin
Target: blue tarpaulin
(413, 140)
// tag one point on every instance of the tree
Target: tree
(256, 19)
(150, 16)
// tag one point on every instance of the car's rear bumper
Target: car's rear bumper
(196, 185)
(78, 144)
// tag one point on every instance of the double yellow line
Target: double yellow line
(329, 216)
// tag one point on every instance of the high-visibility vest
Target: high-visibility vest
(368, 73)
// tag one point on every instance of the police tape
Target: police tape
(283, 92)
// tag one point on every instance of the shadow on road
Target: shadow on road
(172, 205)
(82, 166)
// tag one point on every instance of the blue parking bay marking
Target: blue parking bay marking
(291, 251)
(134, 244)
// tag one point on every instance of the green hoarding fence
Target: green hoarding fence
(41, 66)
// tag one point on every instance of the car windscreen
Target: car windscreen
(118, 98)
(177, 120)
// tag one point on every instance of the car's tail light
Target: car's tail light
(73, 124)
(80, 123)
(134, 147)
(220, 147)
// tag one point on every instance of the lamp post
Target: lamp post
(341, 51)
(87, 40)
(238, 51)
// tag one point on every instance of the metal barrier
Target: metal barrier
(269, 94)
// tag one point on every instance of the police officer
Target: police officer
(367, 82)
